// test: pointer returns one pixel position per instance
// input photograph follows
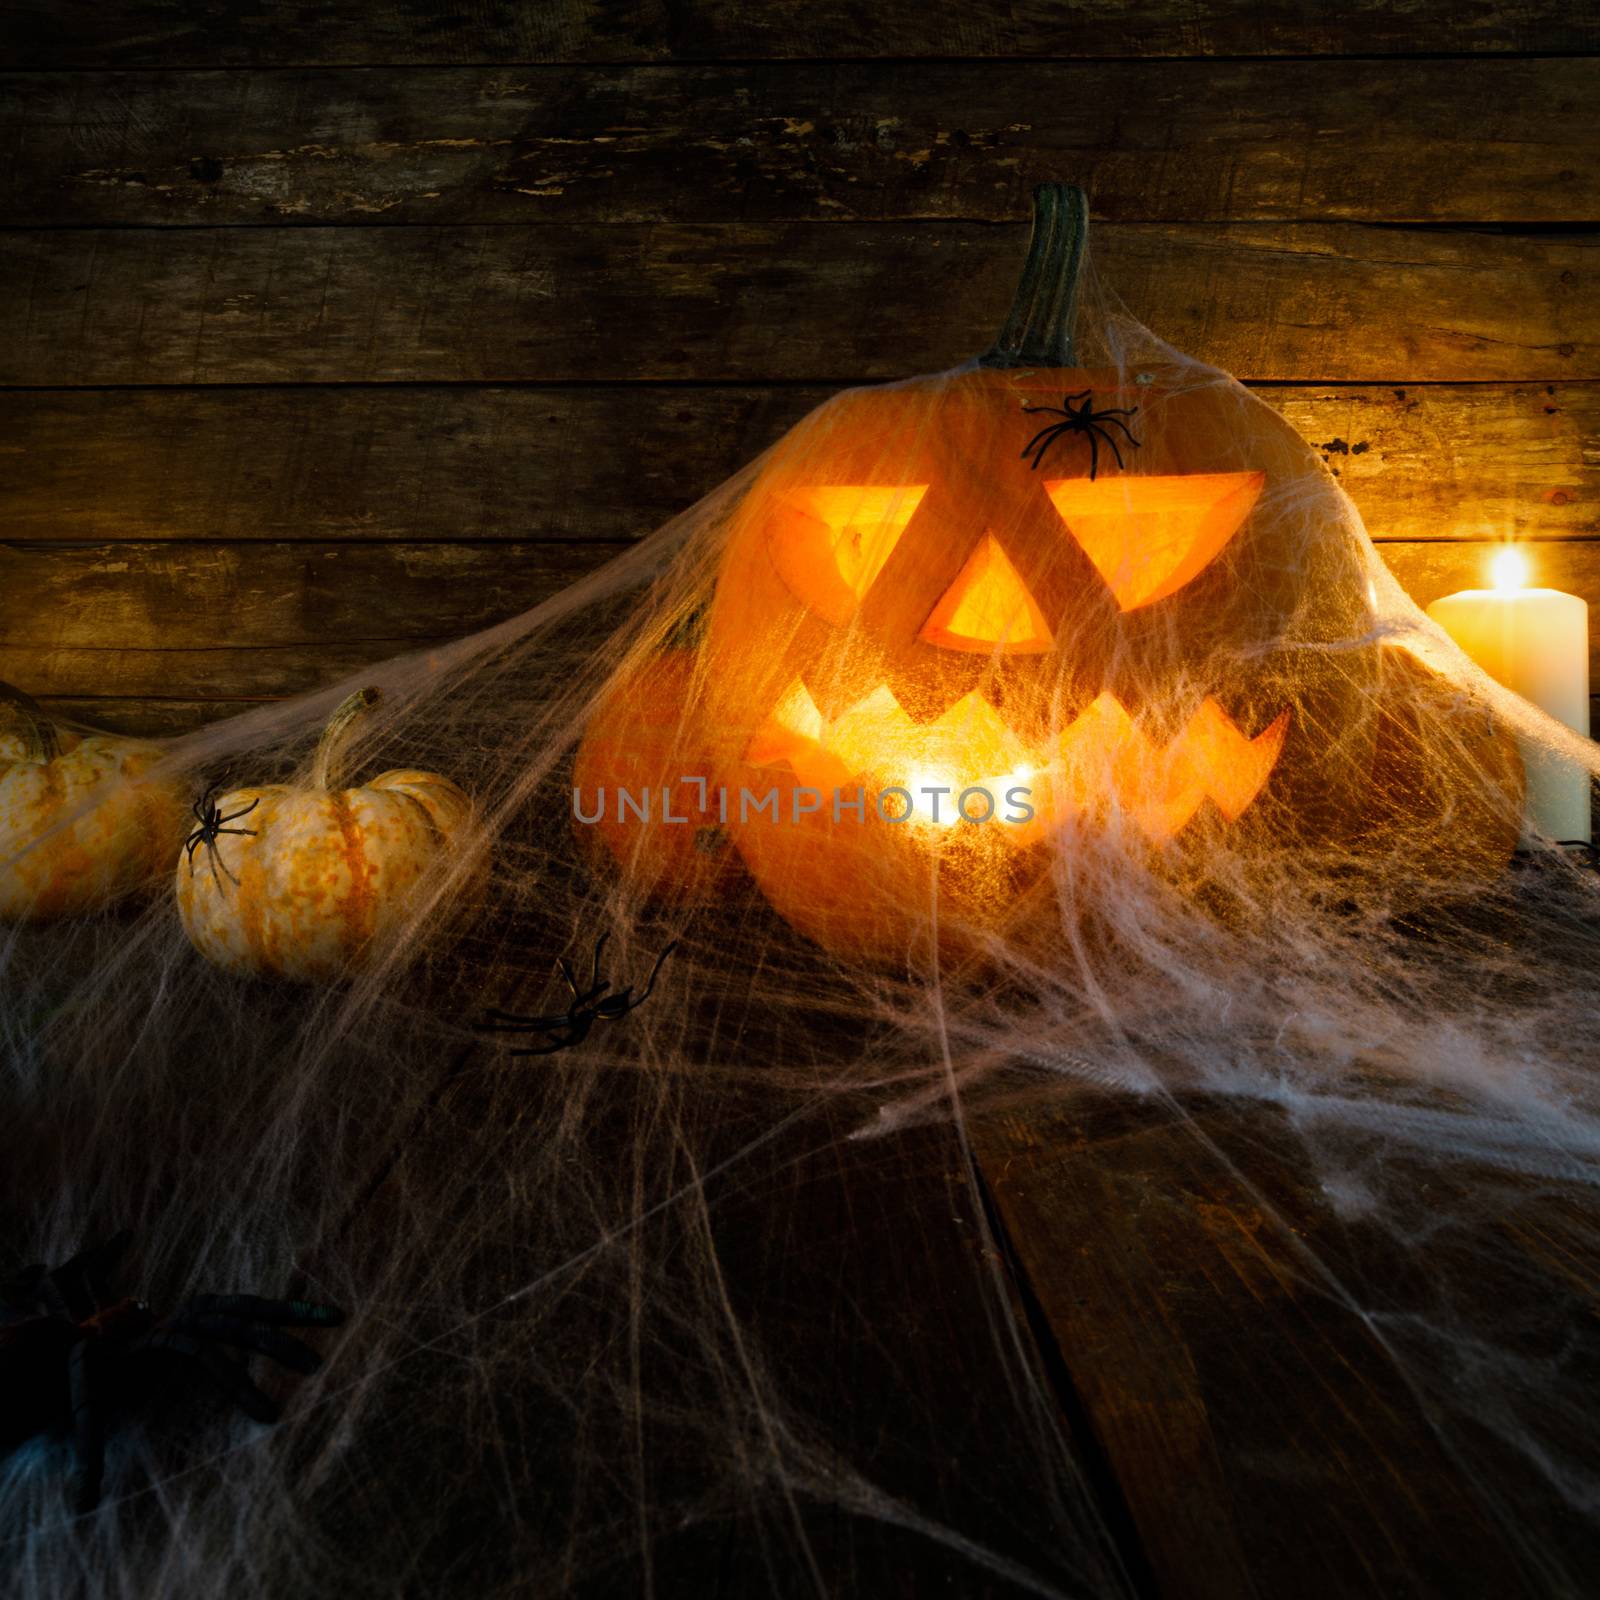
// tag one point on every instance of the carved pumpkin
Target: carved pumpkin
(940, 585)
(1104, 587)
(82, 822)
(305, 882)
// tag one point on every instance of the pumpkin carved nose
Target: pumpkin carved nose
(989, 605)
(1148, 537)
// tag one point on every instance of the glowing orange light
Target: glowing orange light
(1103, 754)
(989, 604)
(837, 539)
(1148, 537)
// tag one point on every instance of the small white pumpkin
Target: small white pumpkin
(306, 882)
(82, 822)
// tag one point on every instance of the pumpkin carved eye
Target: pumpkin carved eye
(835, 539)
(1148, 537)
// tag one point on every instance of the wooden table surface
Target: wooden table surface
(1201, 1297)
(1214, 1388)
(1123, 1344)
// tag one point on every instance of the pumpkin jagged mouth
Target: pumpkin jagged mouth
(1102, 754)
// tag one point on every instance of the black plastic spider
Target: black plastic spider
(1084, 419)
(69, 1353)
(212, 823)
(597, 1003)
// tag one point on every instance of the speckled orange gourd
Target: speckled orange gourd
(324, 873)
(82, 822)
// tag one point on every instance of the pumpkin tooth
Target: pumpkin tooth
(795, 717)
(1104, 750)
(1231, 767)
(971, 738)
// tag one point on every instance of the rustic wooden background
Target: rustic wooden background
(333, 330)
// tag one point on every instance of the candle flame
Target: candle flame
(1510, 570)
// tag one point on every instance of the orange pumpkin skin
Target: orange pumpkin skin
(644, 737)
(1153, 642)
(318, 877)
(1149, 614)
(873, 890)
(82, 822)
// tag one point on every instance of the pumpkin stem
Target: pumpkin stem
(1038, 333)
(338, 733)
(28, 716)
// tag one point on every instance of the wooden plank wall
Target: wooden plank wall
(331, 331)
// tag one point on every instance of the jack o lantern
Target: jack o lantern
(1023, 575)
(305, 882)
(82, 820)
(993, 606)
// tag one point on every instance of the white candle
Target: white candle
(1535, 642)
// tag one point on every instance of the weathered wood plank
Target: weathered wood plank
(385, 463)
(1507, 461)
(1324, 303)
(1265, 1440)
(170, 33)
(252, 620)
(1235, 141)
(249, 620)
(426, 463)
(227, 672)
(148, 717)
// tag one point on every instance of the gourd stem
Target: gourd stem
(37, 730)
(1038, 333)
(338, 733)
